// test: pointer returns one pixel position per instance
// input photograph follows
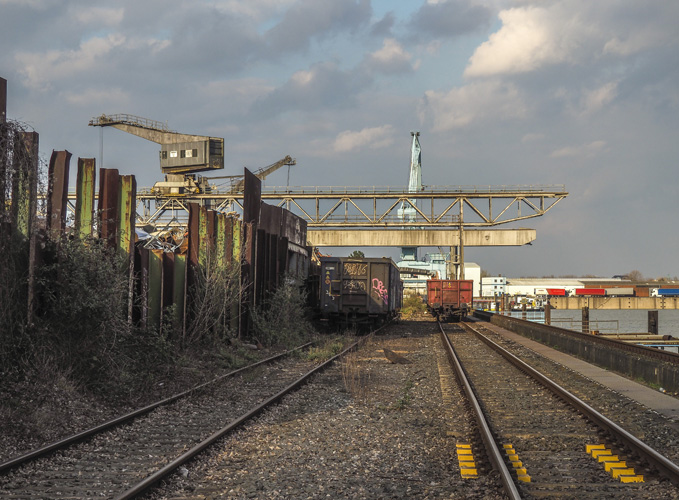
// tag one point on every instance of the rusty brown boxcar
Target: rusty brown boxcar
(450, 300)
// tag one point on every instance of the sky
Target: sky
(525, 92)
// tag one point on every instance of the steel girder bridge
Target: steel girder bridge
(434, 216)
(377, 207)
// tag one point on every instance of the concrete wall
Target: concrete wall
(649, 303)
(609, 354)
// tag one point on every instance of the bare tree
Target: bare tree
(635, 275)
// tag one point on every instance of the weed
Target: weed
(413, 305)
(325, 352)
(406, 396)
(283, 319)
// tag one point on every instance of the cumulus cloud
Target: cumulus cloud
(391, 58)
(530, 37)
(476, 102)
(535, 35)
(583, 150)
(373, 138)
(39, 69)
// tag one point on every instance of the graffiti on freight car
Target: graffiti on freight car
(380, 290)
(355, 268)
(354, 285)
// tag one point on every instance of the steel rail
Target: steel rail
(160, 474)
(664, 465)
(63, 443)
(492, 448)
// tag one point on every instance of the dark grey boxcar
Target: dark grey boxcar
(366, 290)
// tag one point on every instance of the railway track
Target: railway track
(538, 439)
(127, 456)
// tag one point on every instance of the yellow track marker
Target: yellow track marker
(465, 458)
(632, 479)
(614, 465)
(524, 479)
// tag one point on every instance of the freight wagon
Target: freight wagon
(450, 300)
(359, 291)
(590, 291)
(668, 292)
(620, 292)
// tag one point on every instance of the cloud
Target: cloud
(322, 86)
(391, 58)
(596, 99)
(95, 97)
(584, 150)
(374, 138)
(308, 19)
(541, 34)
(529, 38)
(473, 103)
(40, 69)
(447, 19)
(99, 15)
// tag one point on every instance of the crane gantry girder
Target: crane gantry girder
(435, 207)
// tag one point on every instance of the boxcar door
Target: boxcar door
(330, 285)
(379, 287)
(354, 285)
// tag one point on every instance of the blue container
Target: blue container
(668, 291)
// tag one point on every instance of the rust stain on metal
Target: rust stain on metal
(127, 197)
(57, 193)
(84, 204)
(107, 210)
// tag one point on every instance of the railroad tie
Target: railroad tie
(465, 458)
(513, 456)
(618, 469)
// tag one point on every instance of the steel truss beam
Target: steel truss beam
(435, 207)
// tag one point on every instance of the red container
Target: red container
(590, 291)
(557, 292)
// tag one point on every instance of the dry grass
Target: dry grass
(356, 378)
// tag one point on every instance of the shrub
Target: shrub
(282, 319)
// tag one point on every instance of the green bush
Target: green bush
(282, 319)
(413, 305)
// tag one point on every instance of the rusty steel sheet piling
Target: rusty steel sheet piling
(127, 205)
(236, 242)
(84, 203)
(260, 267)
(57, 192)
(107, 209)
(155, 288)
(179, 291)
(24, 183)
(3, 100)
(220, 243)
(28, 203)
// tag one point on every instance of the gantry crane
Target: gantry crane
(182, 156)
